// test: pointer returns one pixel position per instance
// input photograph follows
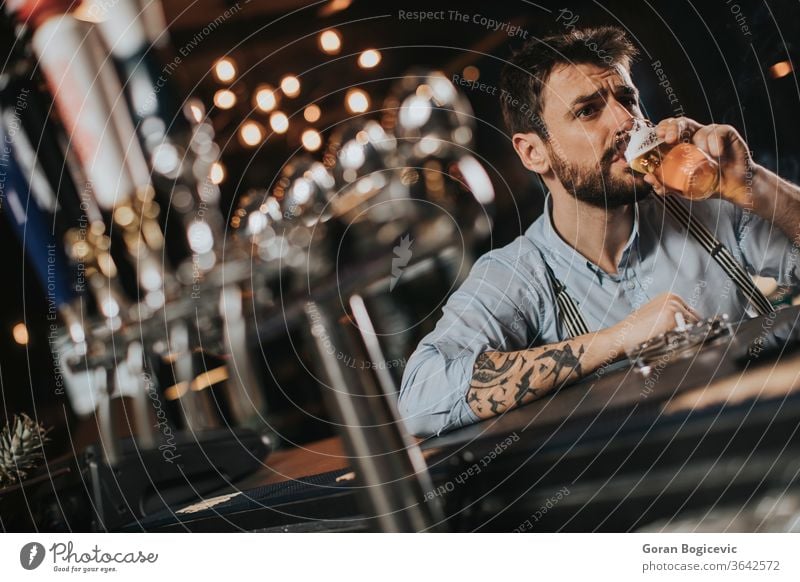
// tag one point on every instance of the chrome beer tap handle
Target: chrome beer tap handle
(243, 393)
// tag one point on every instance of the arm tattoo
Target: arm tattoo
(563, 359)
(495, 404)
(524, 386)
(530, 377)
(486, 370)
(473, 397)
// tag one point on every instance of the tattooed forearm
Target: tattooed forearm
(530, 373)
(524, 386)
(496, 406)
(562, 359)
(486, 369)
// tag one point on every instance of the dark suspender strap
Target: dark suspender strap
(573, 320)
(568, 310)
(720, 254)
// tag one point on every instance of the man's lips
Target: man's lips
(622, 164)
(619, 146)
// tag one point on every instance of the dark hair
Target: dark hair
(524, 76)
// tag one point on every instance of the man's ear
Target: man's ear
(532, 152)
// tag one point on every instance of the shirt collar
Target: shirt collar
(558, 247)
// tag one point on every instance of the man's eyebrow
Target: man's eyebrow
(600, 93)
(588, 97)
(628, 90)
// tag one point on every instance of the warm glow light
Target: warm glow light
(265, 98)
(369, 58)
(334, 6)
(330, 41)
(20, 333)
(225, 70)
(217, 173)
(197, 111)
(279, 122)
(290, 85)
(312, 113)
(224, 99)
(209, 378)
(251, 133)
(176, 391)
(91, 11)
(471, 73)
(357, 101)
(311, 139)
(780, 69)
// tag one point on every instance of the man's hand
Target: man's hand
(742, 181)
(723, 144)
(650, 320)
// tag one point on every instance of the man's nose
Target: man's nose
(623, 118)
(627, 124)
(623, 122)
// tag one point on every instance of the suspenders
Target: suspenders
(568, 311)
(573, 320)
(720, 254)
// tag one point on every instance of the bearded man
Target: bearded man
(608, 265)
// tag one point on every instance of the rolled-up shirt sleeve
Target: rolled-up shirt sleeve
(767, 250)
(496, 308)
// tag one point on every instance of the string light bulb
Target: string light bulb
(265, 98)
(369, 59)
(781, 69)
(225, 70)
(196, 110)
(224, 99)
(251, 133)
(471, 73)
(330, 41)
(217, 173)
(312, 113)
(279, 122)
(357, 101)
(311, 140)
(290, 85)
(20, 333)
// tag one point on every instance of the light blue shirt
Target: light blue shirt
(507, 303)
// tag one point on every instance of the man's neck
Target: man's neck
(599, 234)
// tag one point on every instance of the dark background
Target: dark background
(719, 72)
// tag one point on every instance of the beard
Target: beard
(596, 185)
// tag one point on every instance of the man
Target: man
(605, 252)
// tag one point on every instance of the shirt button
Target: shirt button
(630, 285)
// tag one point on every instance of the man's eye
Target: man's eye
(585, 111)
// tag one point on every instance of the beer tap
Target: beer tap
(411, 178)
(87, 92)
(177, 140)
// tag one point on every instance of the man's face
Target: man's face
(585, 106)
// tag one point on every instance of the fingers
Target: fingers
(680, 306)
(658, 187)
(694, 313)
(710, 140)
(675, 129)
(714, 139)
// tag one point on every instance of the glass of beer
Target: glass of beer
(682, 167)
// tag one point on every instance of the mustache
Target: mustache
(607, 157)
